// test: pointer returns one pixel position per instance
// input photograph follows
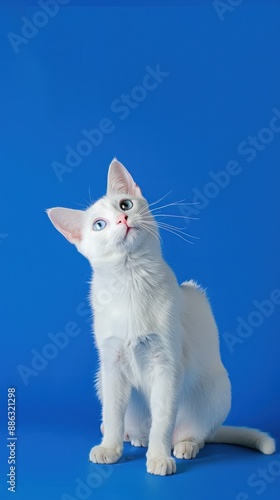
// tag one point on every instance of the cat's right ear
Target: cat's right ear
(68, 222)
(120, 181)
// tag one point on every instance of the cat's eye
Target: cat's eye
(99, 224)
(126, 204)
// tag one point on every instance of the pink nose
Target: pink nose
(122, 219)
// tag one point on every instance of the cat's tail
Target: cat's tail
(244, 436)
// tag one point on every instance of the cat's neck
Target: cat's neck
(119, 264)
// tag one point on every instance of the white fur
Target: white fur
(161, 379)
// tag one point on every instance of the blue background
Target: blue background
(222, 86)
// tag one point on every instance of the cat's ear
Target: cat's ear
(120, 181)
(68, 222)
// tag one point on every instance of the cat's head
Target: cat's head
(116, 225)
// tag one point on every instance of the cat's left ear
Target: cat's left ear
(120, 181)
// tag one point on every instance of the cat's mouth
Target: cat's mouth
(126, 232)
(128, 229)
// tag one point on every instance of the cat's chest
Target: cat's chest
(131, 306)
(135, 358)
(125, 312)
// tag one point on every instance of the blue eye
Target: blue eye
(99, 224)
(126, 205)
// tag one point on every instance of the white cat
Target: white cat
(161, 381)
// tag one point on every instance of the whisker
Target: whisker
(143, 211)
(155, 202)
(176, 216)
(80, 204)
(175, 230)
(150, 230)
(160, 199)
(177, 234)
(180, 230)
(149, 218)
(175, 203)
(179, 203)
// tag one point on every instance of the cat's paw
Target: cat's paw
(140, 441)
(102, 455)
(186, 449)
(161, 466)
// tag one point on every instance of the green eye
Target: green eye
(126, 205)
(99, 224)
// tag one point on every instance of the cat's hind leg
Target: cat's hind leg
(201, 410)
(187, 448)
(137, 420)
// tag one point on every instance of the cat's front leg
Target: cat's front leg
(115, 395)
(163, 403)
